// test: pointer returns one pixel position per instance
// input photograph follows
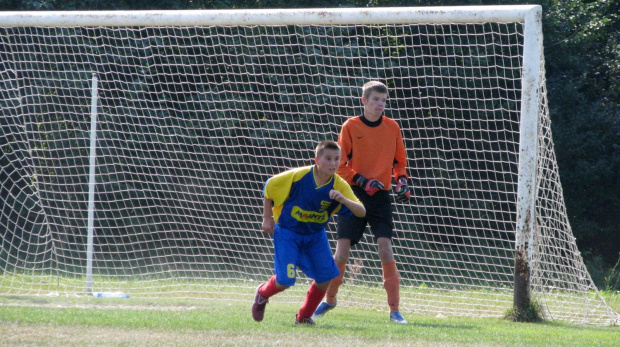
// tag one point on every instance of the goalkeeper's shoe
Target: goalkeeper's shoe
(397, 318)
(323, 308)
(304, 321)
(258, 308)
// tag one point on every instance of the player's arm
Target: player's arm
(403, 193)
(268, 222)
(400, 156)
(344, 141)
(357, 208)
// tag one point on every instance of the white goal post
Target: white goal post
(135, 144)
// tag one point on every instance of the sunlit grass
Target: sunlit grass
(90, 321)
(421, 300)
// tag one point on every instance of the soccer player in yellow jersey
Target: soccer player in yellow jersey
(298, 203)
(372, 153)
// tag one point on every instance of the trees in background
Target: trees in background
(582, 53)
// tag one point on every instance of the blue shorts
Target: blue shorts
(310, 253)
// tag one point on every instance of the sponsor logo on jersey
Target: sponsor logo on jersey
(309, 216)
(325, 205)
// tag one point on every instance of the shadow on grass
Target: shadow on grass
(364, 322)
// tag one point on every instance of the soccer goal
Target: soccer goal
(135, 145)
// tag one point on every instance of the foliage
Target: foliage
(582, 51)
(612, 280)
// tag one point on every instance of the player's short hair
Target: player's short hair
(323, 145)
(373, 86)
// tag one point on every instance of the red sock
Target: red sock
(313, 299)
(269, 288)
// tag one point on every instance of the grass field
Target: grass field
(43, 321)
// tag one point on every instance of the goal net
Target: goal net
(135, 145)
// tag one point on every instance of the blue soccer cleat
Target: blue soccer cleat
(397, 318)
(323, 308)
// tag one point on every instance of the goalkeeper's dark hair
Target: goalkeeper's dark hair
(323, 145)
(373, 86)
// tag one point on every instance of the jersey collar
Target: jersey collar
(371, 124)
(316, 184)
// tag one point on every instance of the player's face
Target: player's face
(328, 162)
(374, 105)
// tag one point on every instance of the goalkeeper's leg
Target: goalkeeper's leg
(391, 279)
(391, 283)
(342, 255)
(343, 246)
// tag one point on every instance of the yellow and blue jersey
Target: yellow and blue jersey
(300, 204)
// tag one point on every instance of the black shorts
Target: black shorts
(378, 216)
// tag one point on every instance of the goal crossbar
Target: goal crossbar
(327, 16)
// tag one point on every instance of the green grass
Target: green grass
(86, 321)
(612, 298)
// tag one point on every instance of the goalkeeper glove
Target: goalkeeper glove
(402, 190)
(370, 186)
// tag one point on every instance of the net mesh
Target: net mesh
(193, 120)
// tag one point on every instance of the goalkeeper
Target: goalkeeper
(372, 151)
(298, 203)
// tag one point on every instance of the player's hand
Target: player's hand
(403, 193)
(268, 225)
(370, 186)
(336, 195)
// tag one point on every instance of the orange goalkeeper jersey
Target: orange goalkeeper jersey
(375, 150)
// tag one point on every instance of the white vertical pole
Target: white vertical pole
(528, 152)
(91, 185)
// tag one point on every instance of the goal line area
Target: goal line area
(135, 145)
